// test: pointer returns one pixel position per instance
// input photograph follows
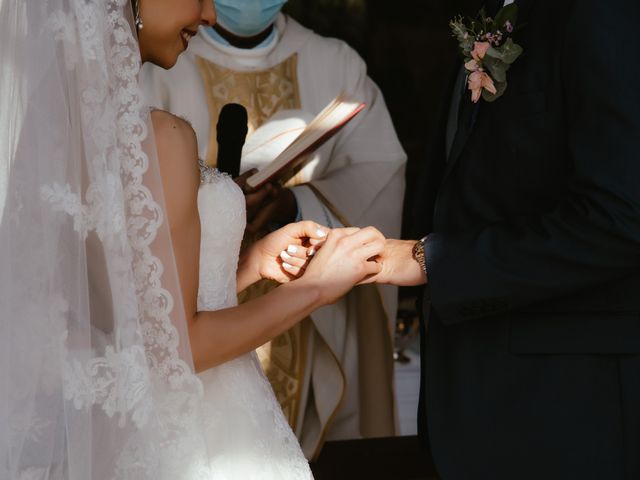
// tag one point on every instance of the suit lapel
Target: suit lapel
(467, 115)
(454, 109)
(492, 7)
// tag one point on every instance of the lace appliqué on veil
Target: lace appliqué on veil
(99, 46)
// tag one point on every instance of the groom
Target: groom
(531, 348)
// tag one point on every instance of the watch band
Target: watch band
(418, 254)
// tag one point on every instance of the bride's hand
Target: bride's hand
(282, 255)
(348, 257)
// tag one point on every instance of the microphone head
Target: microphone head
(232, 124)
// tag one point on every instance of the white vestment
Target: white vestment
(334, 376)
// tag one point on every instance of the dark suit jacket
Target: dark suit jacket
(532, 362)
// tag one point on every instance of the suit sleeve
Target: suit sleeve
(593, 235)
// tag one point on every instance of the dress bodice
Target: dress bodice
(247, 434)
(222, 211)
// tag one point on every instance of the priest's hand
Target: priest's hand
(279, 207)
(268, 204)
(398, 267)
(256, 200)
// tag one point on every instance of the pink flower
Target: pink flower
(479, 80)
(472, 66)
(480, 50)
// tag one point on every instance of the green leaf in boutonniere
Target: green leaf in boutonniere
(487, 96)
(511, 51)
(465, 40)
(488, 51)
(507, 53)
(506, 15)
(496, 68)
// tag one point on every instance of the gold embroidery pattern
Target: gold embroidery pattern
(283, 361)
(262, 93)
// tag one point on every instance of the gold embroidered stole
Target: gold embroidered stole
(262, 93)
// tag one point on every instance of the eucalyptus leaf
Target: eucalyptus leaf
(510, 51)
(496, 68)
(495, 53)
(491, 97)
(506, 14)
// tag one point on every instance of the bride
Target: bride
(108, 306)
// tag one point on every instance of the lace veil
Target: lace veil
(95, 382)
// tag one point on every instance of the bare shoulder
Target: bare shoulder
(164, 120)
(175, 141)
(172, 130)
(178, 158)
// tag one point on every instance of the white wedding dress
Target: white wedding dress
(246, 432)
(96, 371)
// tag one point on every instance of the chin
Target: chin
(165, 62)
(170, 63)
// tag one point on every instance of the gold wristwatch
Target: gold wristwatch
(418, 254)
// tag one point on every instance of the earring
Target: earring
(138, 20)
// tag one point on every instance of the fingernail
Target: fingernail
(285, 256)
(311, 252)
(292, 249)
(286, 266)
(321, 233)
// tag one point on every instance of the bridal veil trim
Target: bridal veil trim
(96, 370)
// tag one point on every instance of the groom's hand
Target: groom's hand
(398, 265)
(345, 259)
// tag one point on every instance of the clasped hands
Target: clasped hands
(332, 260)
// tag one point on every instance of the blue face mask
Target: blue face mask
(247, 18)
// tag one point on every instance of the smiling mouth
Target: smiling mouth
(187, 35)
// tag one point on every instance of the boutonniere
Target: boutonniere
(488, 51)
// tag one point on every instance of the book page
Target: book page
(319, 130)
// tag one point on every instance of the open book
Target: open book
(324, 126)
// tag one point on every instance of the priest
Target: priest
(333, 374)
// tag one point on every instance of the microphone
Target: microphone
(231, 133)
